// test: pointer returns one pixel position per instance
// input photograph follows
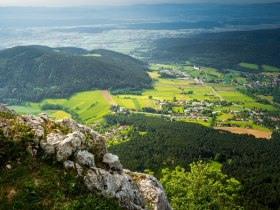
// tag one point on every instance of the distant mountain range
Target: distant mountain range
(221, 50)
(32, 73)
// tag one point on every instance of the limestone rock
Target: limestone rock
(49, 145)
(85, 158)
(116, 185)
(101, 181)
(79, 169)
(69, 145)
(128, 193)
(80, 147)
(4, 109)
(112, 161)
(68, 165)
(154, 193)
(44, 117)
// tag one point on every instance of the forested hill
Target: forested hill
(31, 73)
(222, 49)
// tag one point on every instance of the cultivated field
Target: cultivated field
(249, 66)
(256, 133)
(91, 106)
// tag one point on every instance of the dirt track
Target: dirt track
(108, 97)
(256, 133)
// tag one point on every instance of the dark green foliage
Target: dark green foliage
(221, 50)
(149, 109)
(128, 91)
(95, 202)
(267, 91)
(253, 162)
(35, 72)
(165, 75)
(276, 95)
(202, 188)
(10, 149)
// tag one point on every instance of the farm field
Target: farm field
(249, 66)
(167, 89)
(268, 98)
(202, 122)
(30, 108)
(60, 115)
(133, 101)
(244, 124)
(91, 106)
(270, 68)
(230, 94)
(256, 133)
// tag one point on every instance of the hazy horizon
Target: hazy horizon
(73, 3)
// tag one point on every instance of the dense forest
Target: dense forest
(221, 50)
(156, 143)
(35, 72)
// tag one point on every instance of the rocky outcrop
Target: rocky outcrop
(83, 151)
(4, 109)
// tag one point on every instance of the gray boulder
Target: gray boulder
(154, 193)
(68, 165)
(112, 161)
(85, 158)
(69, 145)
(115, 185)
(4, 109)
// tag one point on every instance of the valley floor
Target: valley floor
(201, 95)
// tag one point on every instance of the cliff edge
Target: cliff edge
(82, 150)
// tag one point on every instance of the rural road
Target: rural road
(215, 92)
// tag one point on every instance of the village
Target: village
(217, 112)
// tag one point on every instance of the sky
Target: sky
(67, 3)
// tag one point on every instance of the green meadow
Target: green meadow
(91, 106)
(270, 68)
(232, 95)
(249, 66)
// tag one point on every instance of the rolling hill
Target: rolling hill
(32, 73)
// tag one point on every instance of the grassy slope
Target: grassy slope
(32, 184)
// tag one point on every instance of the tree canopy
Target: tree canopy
(203, 187)
(253, 162)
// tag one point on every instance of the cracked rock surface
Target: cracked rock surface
(83, 151)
